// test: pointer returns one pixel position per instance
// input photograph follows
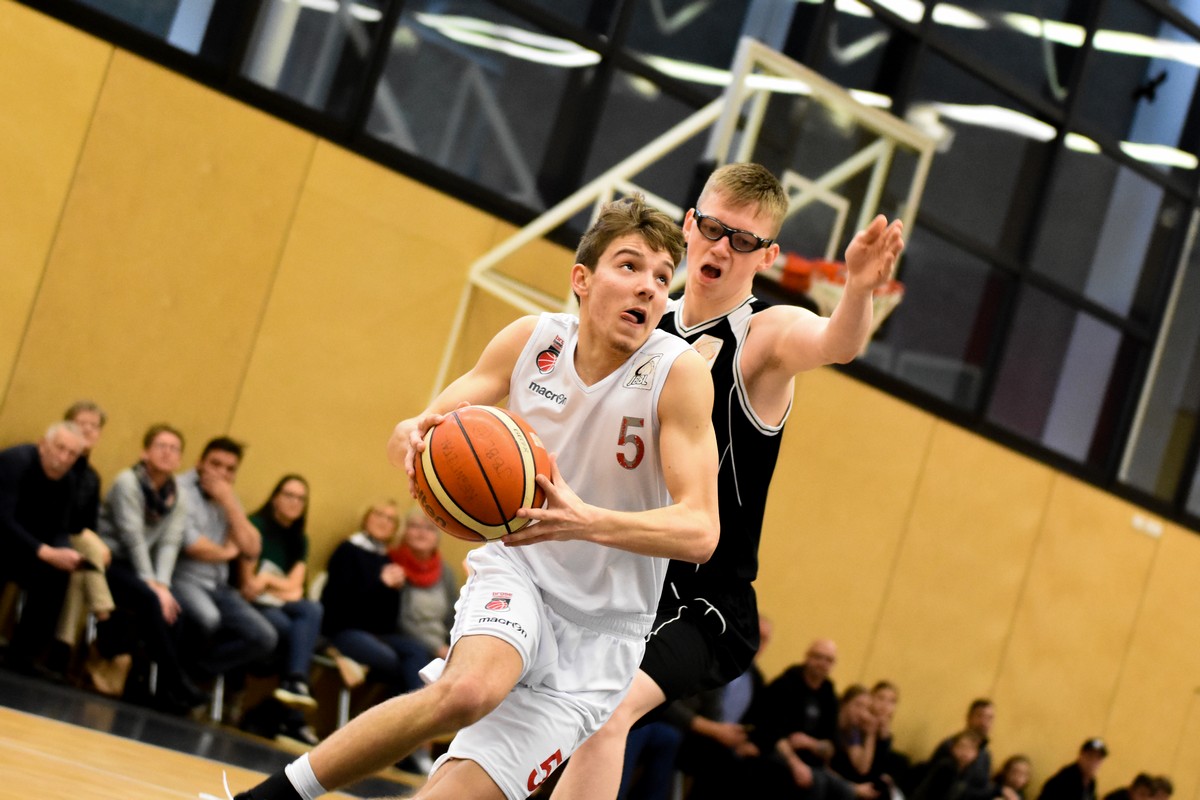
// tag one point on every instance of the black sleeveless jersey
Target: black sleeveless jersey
(747, 448)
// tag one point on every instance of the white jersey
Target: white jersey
(606, 438)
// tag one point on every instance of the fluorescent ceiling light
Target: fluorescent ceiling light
(359, 12)
(956, 17)
(999, 118)
(1159, 154)
(1135, 44)
(910, 10)
(510, 40)
(1080, 143)
(851, 8)
(1051, 30)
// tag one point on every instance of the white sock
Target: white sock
(300, 775)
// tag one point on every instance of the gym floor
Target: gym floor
(62, 742)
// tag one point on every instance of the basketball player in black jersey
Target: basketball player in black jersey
(706, 631)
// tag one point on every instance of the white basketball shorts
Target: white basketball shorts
(577, 669)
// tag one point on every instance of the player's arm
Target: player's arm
(688, 529)
(797, 339)
(486, 383)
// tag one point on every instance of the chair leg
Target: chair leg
(218, 699)
(343, 713)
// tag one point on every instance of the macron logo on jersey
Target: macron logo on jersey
(549, 394)
(643, 374)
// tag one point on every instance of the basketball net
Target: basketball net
(825, 281)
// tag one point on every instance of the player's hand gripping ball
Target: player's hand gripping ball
(478, 468)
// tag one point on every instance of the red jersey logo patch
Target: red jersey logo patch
(549, 357)
(499, 601)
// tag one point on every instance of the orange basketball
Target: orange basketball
(478, 468)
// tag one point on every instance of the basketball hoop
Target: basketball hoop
(825, 281)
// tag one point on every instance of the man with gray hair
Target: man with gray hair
(37, 495)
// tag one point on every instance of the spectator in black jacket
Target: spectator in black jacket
(37, 496)
(362, 603)
(948, 777)
(981, 715)
(87, 590)
(1144, 787)
(794, 729)
(1077, 780)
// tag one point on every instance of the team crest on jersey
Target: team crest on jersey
(499, 601)
(549, 357)
(643, 374)
(708, 347)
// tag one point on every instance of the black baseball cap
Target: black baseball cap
(1095, 745)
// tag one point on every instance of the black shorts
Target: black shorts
(702, 638)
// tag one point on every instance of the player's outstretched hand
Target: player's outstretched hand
(564, 516)
(872, 253)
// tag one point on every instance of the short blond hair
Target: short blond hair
(381, 502)
(748, 185)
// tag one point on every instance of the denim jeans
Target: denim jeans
(235, 634)
(393, 658)
(298, 624)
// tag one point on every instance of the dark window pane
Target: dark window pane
(696, 41)
(315, 54)
(992, 152)
(1064, 380)
(1140, 83)
(151, 16)
(695, 33)
(1165, 426)
(854, 51)
(635, 113)
(1034, 42)
(1188, 8)
(1107, 232)
(594, 15)
(939, 337)
(458, 91)
(203, 28)
(1193, 503)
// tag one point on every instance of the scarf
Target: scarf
(421, 572)
(159, 502)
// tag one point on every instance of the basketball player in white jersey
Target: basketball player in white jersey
(551, 625)
(706, 633)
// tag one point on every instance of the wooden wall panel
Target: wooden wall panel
(353, 334)
(52, 77)
(1073, 625)
(959, 574)
(1157, 703)
(166, 252)
(850, 460)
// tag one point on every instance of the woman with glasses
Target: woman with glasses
(275, 585)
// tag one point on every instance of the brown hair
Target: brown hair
(153, 432)
(81, 406)
(625, 216)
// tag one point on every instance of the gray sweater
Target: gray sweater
(151, 549)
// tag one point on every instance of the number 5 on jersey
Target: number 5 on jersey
(626, 439)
